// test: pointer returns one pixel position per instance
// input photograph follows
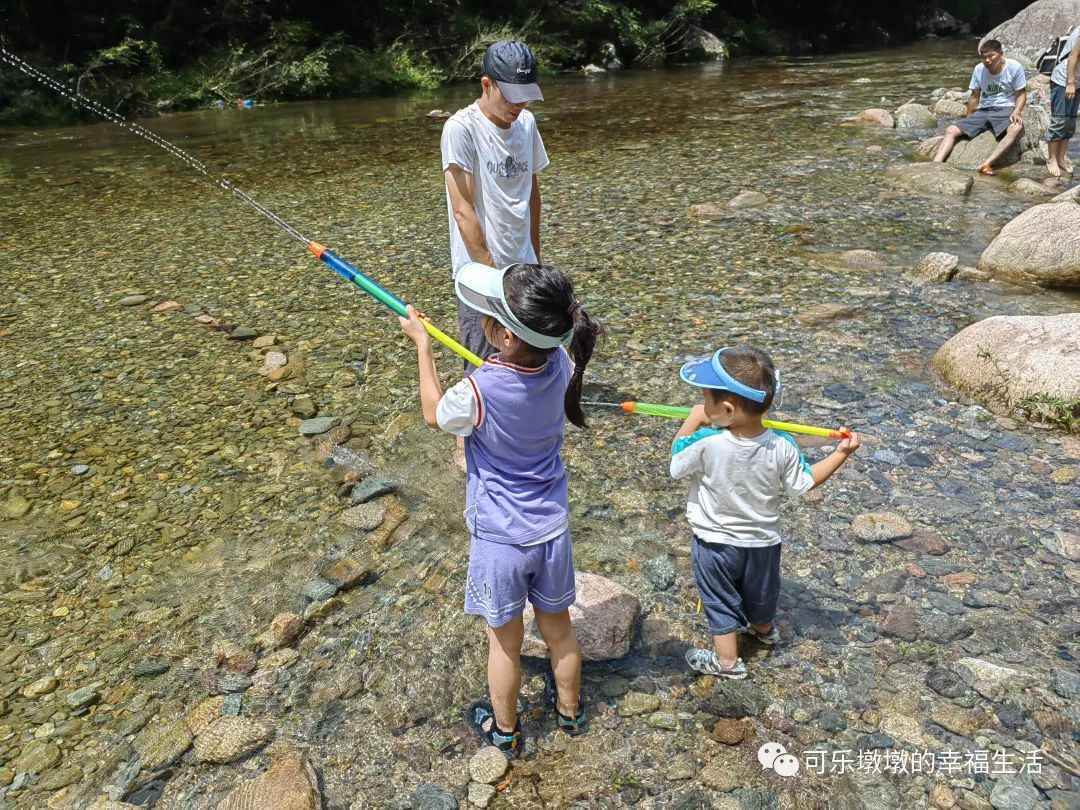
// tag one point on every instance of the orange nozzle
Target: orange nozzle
(316, 249)
(840, 434)
(628, 406)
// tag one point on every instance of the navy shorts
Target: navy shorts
(739, 585)
(1062, 114)
(995, 120)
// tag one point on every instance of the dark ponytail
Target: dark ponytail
(542, 297)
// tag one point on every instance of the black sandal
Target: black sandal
(574, 726)
(479, 714)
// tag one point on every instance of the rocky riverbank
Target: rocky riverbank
(206, 590)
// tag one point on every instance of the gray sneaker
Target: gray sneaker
(704, 661)
(768, 639)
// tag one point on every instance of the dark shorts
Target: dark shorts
(739, 586)
(997, 121)
(472, 335)
(1062, 114)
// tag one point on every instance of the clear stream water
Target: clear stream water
(201, 512)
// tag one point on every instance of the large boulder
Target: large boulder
(950, 108)
(930, 178)
(1022, 363)
(1030, 32)
(915, 116)
(875, 116)
(699, 45)
(971, 154)
(604, 617)
(1041, 246)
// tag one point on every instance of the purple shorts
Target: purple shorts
(502, 576)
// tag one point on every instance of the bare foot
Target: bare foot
(1066, 167)
(986, 169)
(1053, 169)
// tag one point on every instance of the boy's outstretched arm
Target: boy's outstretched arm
(824, 469)
(694, 422)
(430, 387)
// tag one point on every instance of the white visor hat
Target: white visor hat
(480, 287)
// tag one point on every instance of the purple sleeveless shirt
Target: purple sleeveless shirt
(516, 490)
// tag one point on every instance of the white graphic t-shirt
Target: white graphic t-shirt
(998, 91)
(502, 163)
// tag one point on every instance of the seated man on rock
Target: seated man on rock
(998, 94)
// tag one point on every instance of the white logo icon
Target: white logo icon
(522, 70)
(774, 756)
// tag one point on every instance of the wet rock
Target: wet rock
(614, 686)
(16, 506)
(200, 718)
(957, 720)
(318, 590)
(488, 765)
(36, 757)
(1067, 684)
(876, 116)
(264, 341)
(320, 424)
(1014, 793)
(481, 795)
(230, 738)
(821, 314)
(372, 487)
(832, 721)
(880, 527)
(949, 108)
(968, 155)
(869, 742)
(604, 616)
(148, 667)
(365, 516)
(737, 699)
(232, 682)
(942, 798)
(930, 178)
(1004, 361)
(161, 743)
(1032, 188)
(1041, 246)
(915, 116)
(433, 797)
(893, 459)
(901, 623)
(271, 362)
(243, 333)
(938, 267)
(748, 199)
(303, 406)
(943, 629)
(38, 688)
(81, 698)
(637, 703)
(286, 628)
(992, 681)
(289, 784)
(347, 572)
(731, 732)
(663, 720)
(863, 259)
(1064, 544)
(924, 543)
(700, 45)
(946, 604)
(887, 582)
(133, 300)
(839, 392)
(918, 459)
(660, 571)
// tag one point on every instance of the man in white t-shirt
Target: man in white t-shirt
(491, 154)
(998, 94)
(1064, 103)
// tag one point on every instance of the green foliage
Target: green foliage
(1064, 413)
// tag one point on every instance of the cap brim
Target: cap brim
(699, 372)
(520, 93)
(480, 288)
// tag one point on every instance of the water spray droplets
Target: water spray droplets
(109, 115)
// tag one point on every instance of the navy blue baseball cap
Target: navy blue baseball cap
(511, 65)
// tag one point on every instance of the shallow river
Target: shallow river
(158, 507)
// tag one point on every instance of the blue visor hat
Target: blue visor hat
(709, 372)
(480, 287)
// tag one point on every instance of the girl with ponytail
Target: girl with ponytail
(512, 413)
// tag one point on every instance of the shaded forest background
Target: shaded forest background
(142, 56)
